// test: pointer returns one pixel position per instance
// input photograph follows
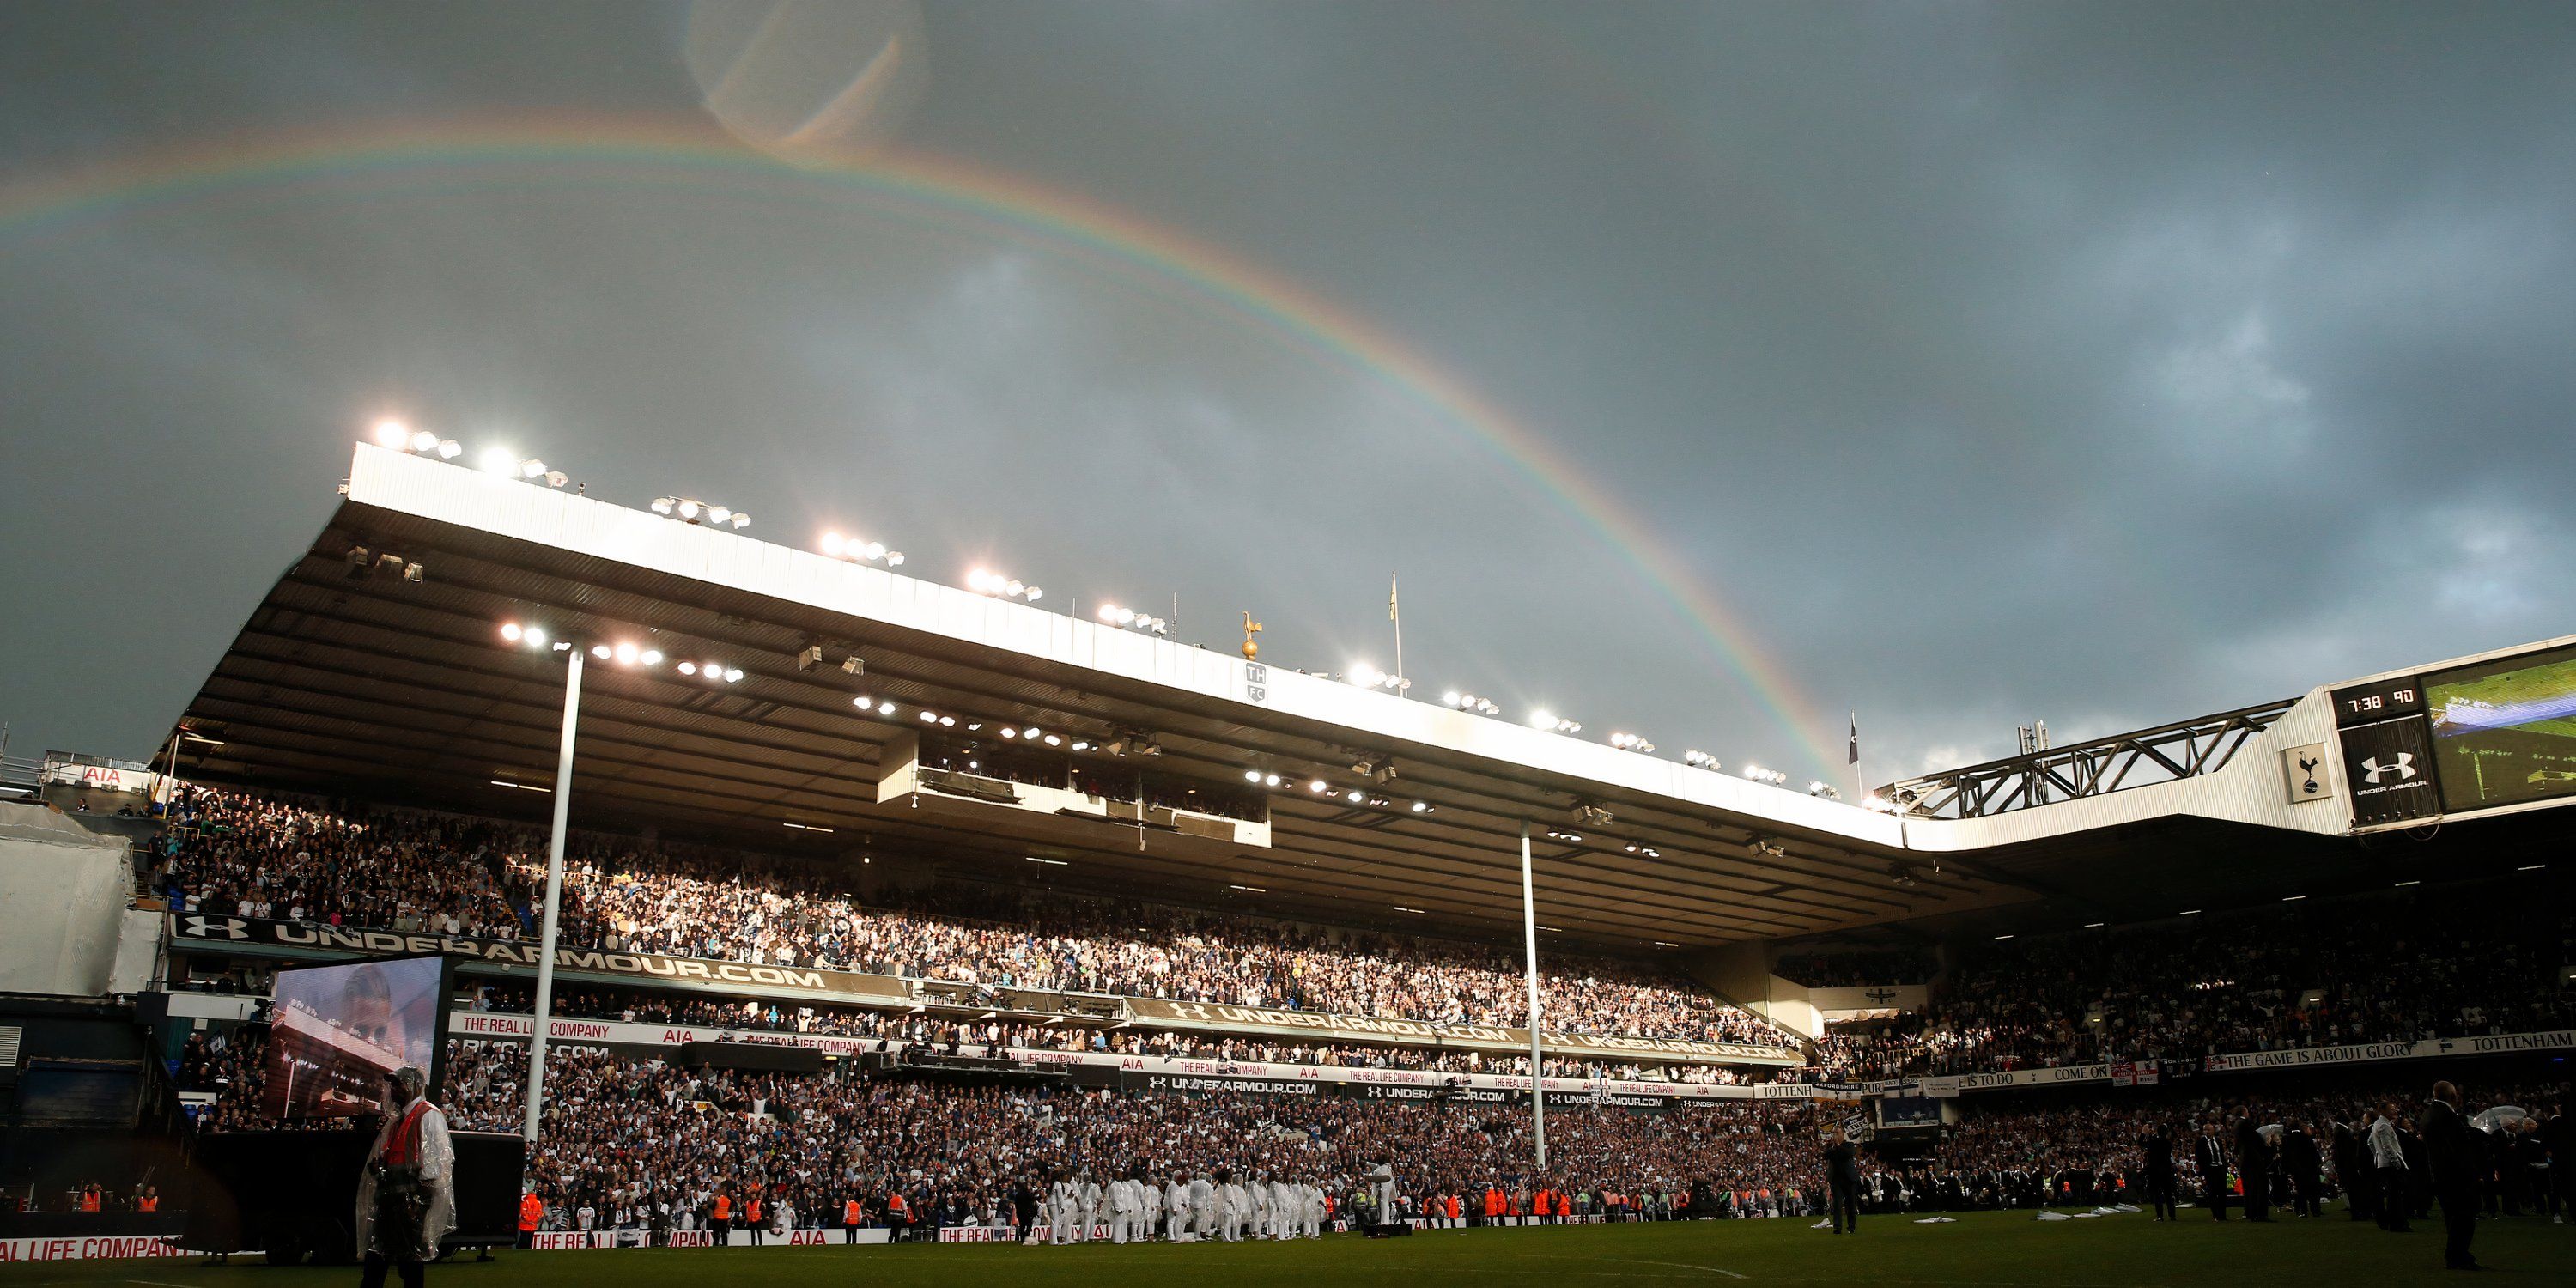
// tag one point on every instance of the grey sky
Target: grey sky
(2104, 363)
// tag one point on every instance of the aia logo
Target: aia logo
(2401, 770)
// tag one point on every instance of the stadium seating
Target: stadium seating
(254, 856)
(2398, 967)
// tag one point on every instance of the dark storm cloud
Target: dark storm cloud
(2106, 364)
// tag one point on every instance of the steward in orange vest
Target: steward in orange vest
(751, 1218)
(850, 1213)
(722, 1219)
(532, 1213)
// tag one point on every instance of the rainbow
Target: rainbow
(936, 191)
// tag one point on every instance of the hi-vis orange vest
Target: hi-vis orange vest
(1493, 1202)
(724, 1207)
(752, 1210)
(895, 1204)
(532, 1212)
(1453, 1207)
(850, 1212)
(148, 1203)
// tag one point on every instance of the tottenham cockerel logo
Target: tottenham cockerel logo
(2401, 770)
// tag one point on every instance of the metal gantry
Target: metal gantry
(2163, 754)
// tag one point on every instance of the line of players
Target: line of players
(1185, 1208)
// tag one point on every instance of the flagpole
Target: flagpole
(1860, 779)
(1395, 614)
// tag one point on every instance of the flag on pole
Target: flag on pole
(1854, 758)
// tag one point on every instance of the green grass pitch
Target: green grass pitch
(2001, 1250)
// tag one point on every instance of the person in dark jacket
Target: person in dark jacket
(2253, 1163)
(2160, 1170)
(2303, 1167)
(2209, 1153)
(2352, 1166)
(1842, 1183)
(2452, 1148)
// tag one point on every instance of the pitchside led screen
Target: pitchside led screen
(338, 1030)
(2505, 731)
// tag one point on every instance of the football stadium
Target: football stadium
(903, 913)
(545, 874)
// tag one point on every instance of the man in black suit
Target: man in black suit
(2352, 1166)
(1842, 1184)
(2253, 1162)
(2303, 1166)
(2209, 1153)
(2451, 1147)
(2160, 1171)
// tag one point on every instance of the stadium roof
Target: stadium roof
(351, 678)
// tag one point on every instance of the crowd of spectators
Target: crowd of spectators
(2407, 966)
(2329, 973)
(753, 1015)
(623, 1135)
(254, 856)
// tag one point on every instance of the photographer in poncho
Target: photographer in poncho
(406, 1193)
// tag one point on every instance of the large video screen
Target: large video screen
(338, 1030)
(2505, 731)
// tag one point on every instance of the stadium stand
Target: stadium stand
(255, 856)
(2400, 966)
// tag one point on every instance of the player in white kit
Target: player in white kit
(1064, 1200)
(1202, 1207)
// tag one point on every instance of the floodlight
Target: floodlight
(652, 657)
(510, 631)
(625, 653)
(831, 544)
(1319, 785)
(599, 651)
(885, 709)
(532, 468)
(393, 433)
(424, 441)
(663, 505)
(449, 449)
(534, 637)
(732, 674)
(688, 668)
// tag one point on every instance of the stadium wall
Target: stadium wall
(66, 889)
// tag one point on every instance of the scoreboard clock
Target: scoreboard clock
(2362, 704)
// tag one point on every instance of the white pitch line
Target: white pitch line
(1683, 1265)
